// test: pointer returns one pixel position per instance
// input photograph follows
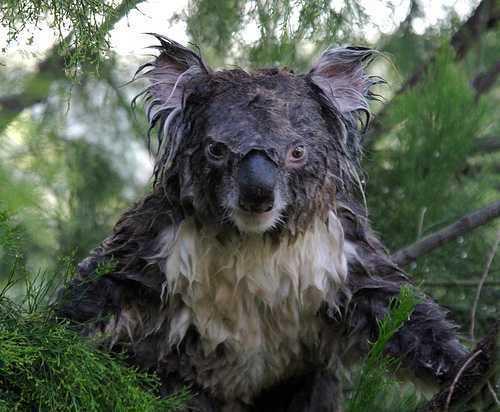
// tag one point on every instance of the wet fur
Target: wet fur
(254, 321)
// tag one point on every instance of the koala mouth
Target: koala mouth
(256, 222)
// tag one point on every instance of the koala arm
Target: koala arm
(88, 297)
(427, 343)
(118, 280)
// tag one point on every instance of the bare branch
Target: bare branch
(487, 144)
(457, 378)
(484, 81)
(493, 394)
(37, 86)
(460, 283)
(486, 16)
(463, 225)
(489, 261)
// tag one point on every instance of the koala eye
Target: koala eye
(296, 154)
(216, 151)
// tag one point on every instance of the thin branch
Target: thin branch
(37, 86)
(457, 378)
(463, 225)
(493, 393)
(489, 261)
(472, 376)
(461, 283)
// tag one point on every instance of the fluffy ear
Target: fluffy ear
(168, 76)
(341, 76)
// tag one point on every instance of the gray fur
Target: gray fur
(167, 249)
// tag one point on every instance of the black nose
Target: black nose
(257, 180)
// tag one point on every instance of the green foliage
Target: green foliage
(415, 173)
(376, 378)
(289, 31)
(65, 175)
(47, 366)
(78, 25)
(9, 235)
(66, 191)
(425, 174)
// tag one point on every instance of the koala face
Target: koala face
(262, 154)
(260, 151)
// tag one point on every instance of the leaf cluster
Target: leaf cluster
(289, 31)
(46, 366)
(77, 25)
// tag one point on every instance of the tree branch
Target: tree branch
(486, 144)
(460, 283)
(472, 375)
(480, 285)
(463, 225)
(37, 86)
(484, 81)
(485, 16)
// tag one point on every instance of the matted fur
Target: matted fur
(227, 290)
(254, 321)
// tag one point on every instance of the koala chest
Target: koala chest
(254, 300)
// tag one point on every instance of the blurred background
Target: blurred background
(74, 154)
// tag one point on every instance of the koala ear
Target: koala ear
(168, 76)
(340, 74)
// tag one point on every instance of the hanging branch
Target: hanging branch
(463, 225)
(37, 86)
(485, 17)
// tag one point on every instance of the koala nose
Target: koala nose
(257, 179)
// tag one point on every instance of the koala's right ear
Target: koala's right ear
(168, 75)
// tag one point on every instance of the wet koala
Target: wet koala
(249, 272)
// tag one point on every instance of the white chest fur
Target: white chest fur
(257, 297)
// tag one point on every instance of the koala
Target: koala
(249, 272)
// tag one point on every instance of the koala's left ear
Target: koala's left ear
(340, 73)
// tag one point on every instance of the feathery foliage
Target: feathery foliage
(423, 175)
(66, 174)
(289, 31)
(77, 25)
(44, 364)
(47, 366)
(372, 390)
(415, 171)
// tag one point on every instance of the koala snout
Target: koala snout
(257, 178)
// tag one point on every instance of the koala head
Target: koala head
(261, 151)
